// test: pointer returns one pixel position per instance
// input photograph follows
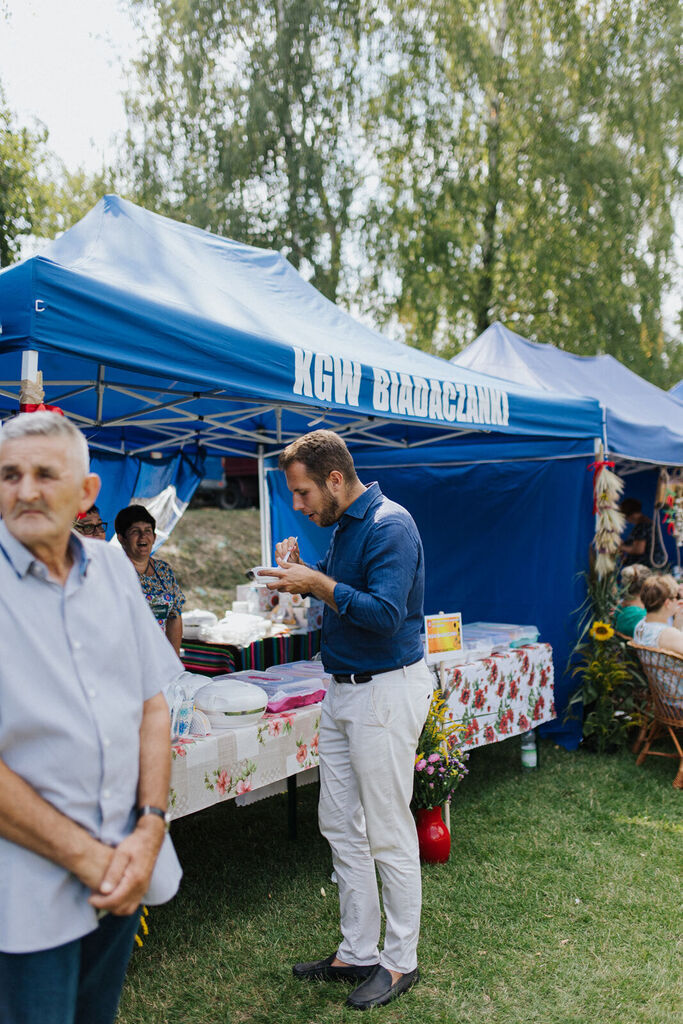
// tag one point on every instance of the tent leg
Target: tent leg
(264, 510)
(291, 806)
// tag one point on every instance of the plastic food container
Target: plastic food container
(249, 675)
(301, 670)
(501, 635)
(195, 621)
(287, 694)
(231, 703)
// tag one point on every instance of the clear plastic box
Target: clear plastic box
(500, 635)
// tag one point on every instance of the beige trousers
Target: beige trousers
(368, 738)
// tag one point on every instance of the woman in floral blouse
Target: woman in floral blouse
(136, 531)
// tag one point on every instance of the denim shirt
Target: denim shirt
(376, 557)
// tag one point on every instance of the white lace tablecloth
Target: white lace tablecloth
(242, 762)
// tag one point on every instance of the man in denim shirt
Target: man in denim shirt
(372, 583)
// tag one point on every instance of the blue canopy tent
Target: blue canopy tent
(156, 337)
(643, 425)
(677, 391)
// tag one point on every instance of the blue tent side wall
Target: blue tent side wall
(124, 477)
(504, 541)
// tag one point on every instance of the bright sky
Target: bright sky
(63, 62)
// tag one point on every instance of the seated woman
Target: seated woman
(631, 610)
(136, 530)
(659, 595)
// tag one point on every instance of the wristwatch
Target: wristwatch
(159, 811)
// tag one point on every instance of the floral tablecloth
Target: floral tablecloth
(236, 762)
(501, 696)
(494, 698)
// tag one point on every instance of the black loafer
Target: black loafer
(379, 988)
(323, 970)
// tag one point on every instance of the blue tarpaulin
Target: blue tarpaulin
(677, 391)
(642, 422)
(124, 479)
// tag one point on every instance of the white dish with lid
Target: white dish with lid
(231, 703)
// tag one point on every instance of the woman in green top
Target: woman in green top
(631, 610)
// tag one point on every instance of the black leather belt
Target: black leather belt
(365, 677)
(355, 677)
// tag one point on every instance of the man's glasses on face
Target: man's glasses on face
(90, 529)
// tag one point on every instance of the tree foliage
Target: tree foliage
(528, 160)
(244, 122)
(24, 198)
(39, 196)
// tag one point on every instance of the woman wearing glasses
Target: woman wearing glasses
(136, 530)
(90, 524)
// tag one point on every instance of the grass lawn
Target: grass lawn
(561, 904)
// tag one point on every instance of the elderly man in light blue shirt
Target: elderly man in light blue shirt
(84, 740)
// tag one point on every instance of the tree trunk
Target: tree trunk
(484, 293)
(291, 154)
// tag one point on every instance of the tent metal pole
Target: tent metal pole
(264, 509)
(29, 365)
(31, 389)
(600, 453)
(100, 392)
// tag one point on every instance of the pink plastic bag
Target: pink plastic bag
(295, 700)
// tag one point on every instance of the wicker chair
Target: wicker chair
(664, 671)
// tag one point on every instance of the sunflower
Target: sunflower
(601, 631)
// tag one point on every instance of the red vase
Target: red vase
(433, 836)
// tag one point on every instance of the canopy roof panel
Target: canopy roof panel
(642, 422)
(153, 333)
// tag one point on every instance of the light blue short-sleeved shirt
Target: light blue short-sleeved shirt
(77, 663)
